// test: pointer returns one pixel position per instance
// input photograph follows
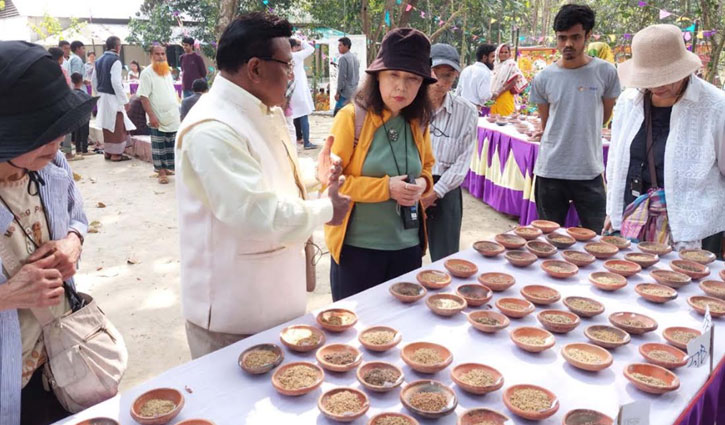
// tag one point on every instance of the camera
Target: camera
(410, 215)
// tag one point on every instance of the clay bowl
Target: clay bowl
(566, 322)
(601, 250)
(586, 417)
(501, 321)
(474, 294)
(690, 268)
(652, 371)
(429, 386)
(510, 241)
(257, 370)
(409, 350)
(578, 258)
(520, 335)
(560, 241)
(722, 275)
(540, 295)
(698, 303)
(336, 319)
(347, 416)
(379, 347)
(514, 308)
(291, 337)
(496, 282)
(297, 391)
(433, 279)
(646, 350)
(407, 292)
(529, 414)
(670, 278)
(408, 420)
(461, 370)
(460, 268)
(194, 422)
(679, 336)
(331, 349)
(169, 394)
(654, 248)
(98, 421)
(520, 258)
(545, 226)
(434, 302)
(622, 336)
(603, 358)
(488, 248)
(655, 293)
(713, 288)
(388, 386)
(591, 309)
(559, 269)
(528, 233)
(617, 241)
(642, 258)
(633, 323)
(607, 281)
(541, 249)
(581, 234)
(622, 267)
(701, 256)
(481, 415)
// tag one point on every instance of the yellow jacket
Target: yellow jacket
(369, 189)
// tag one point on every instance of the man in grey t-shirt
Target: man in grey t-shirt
(575, 96)
(348, 69)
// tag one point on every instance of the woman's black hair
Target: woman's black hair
(249, 36)
(572, 14)
(138, 66)
(369, 97)
(55, 53)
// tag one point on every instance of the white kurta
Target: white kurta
(108, 104)
(301, 101)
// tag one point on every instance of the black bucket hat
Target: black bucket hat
(404, 49)
(37, 105)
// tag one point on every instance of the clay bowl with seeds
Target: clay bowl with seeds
(157, 407)
(475, 295)
(533, 340)
(520, 258)
(558, 321)
(434, 279)
(392, 418)
(583, 306)
(297, 378)
(488, 248)
(540, 294)
(690, 268)
(559, 269)
(462, 269)
(481, 415)
(701, 256)
(587, 357)
(679, 336)
(446, 304)
(343, 404)
(193, 422)
(607, 281)
(528, 233)
(336, 319)
(429, 399)
(338, 357)
(654, 248)
(670, 278)
(622, 267)
(515, 308)
(578, 258)
(530, 401)
(380, 377)
(644, 259)
(426, 357)
(488, 321)
(545, 226)
(699, 304)
(586, 417)
(663, 355)
(655, 293)
(510, 241)
(713, 288)
(560, 241)
(379, 338)
(99, 421)
(722, 275)
(261, 358)
(601, 250)
(302, 338)
(407, 292)
(496, 282)
(476, 378)
(581, 234)
(541, 249)
(617, 241)
(633, 323)
(651, 378)
(607, 336)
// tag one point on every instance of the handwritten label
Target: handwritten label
(635, 413)
(699, 350)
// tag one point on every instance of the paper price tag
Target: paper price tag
(635, 413)
(699, 350)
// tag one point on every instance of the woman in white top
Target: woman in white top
(134, 71)
(688, 140)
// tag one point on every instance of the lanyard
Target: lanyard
(390, 143)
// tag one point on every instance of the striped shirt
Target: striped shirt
(453, 132)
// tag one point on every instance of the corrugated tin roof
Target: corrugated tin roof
(9, 11)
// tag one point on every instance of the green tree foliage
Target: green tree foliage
(50, 26)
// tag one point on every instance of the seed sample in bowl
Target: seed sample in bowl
(601, 250)
(559, 269)
(623, 267)
(655, 293)
(460, 268)
(633, 323)
(663, 355)
(379, 338)
(407, 292)
(514, 307)
(643, 259)
(560, 241)
(690, 268)
(528, 233)
(488, 321)
(584, 307)
(474, 294)
(477, 378)
(497, 282)
(670, 278)
(520, 258)
(343, 404)
(578, 258)
(581, 234)
(654, 248)
(261, 358)
(510, 241)
(620, 243)
(651, 378)
(545, 226)
(426, 357)
(445, 304)
(339, 357)
(541, 249)
(558, 321)
(430, 399)
(337, 319)
(156, 407)
(607, 281)
(540, 294)
(680, 336)
(533, 340)
(700, 304)
(392, 418)
(483, 416)
(531, 402)
(302, 338)
(381, 377)
(607, 336)
(713, 288)
(298, 377)
(488, 248)
(434, 279)
(587, 417)
(587, 356)
(701, 256)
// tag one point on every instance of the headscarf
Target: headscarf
(504, 71)
(601, 50)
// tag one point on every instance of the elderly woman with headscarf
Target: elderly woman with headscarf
(507, 81)
(601, 50)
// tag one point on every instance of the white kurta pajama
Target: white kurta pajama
(109, 105)
(301, 101)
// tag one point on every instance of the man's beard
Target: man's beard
(161, 68)
(489, 65)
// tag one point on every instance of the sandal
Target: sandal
(122, 158)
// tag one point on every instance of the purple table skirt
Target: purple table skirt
(704, 409)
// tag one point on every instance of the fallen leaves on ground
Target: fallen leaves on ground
(76, 176)
(101, 205)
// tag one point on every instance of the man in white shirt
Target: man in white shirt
(243, 213)
(64, 45)
(474, 84)
(301, 101)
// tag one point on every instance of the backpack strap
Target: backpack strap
(360, 114)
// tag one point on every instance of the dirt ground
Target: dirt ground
(131, 265)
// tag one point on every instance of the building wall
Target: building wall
(15, 28)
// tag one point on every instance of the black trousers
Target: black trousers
(37, 406)
(443, 223)
(362, 268)
(589, 198)
(80, 137)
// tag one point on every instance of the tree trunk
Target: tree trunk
(405, 14)
(464, 45)
(227, 12)
(445, 26)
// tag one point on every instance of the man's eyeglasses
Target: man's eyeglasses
(290, 65)
(437, 132)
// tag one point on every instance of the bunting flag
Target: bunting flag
(687, 36)
(642, 4)
(691, 28)
(422, 14)
(408, 7)
(387, 17)
(597, 36)
(398, 1)
(664, 14)
(493, 21)
(612, 38)
(701, 34)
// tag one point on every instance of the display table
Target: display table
(220, 391)
(502, 172)
(132, 87)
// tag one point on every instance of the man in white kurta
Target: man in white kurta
(301, 101)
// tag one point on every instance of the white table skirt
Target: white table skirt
(225, 394)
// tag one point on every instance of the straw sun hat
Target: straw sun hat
(659, 57)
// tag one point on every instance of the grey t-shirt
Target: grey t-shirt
(571, 147)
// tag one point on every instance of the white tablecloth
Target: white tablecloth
(225, 394)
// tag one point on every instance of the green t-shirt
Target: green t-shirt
(379, 225)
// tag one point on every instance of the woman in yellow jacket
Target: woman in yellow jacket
(387, 165)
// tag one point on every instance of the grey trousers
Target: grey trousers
(202, 341)
(444, 225)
